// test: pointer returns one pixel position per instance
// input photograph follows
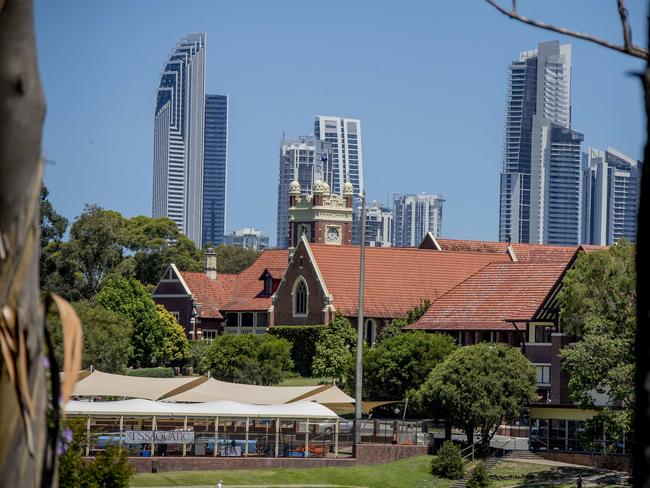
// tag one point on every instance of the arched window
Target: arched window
(300, 297)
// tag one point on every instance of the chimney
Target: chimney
(211, 264)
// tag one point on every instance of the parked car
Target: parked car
(329, 427)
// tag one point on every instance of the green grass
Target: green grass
(304, 381)
(412, 472)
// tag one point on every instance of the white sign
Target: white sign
(159, 436)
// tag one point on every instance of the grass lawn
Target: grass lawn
(304, 381)
(412, 472)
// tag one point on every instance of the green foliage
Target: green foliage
(151, 372)
(127, 297)
(448, 462)
(233, 259)
(198, 356)
(400, 364)
(72, 468)
(106, 338)
(303, 339)
(413, 315)
(250, 358)
(477, 387)
(175, 346)
(111, 468)
(334, 349)
(598, 303)
(479, 477)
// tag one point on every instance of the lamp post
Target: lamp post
(359, 374)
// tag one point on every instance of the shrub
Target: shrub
(448, 463)
(250, 359)
(111, 468)
(72, 468)
(479, 478)
(198, 355)
(151, 372)
(335, 349)
(304, 339)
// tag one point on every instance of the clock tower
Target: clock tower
(322, 217)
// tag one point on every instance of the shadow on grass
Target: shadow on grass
(568, 475)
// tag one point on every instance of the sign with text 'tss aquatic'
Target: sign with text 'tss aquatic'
(159, 436)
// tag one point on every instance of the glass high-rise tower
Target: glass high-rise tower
(414, 216)
(538, 102)
(215, 158)
(178, 138)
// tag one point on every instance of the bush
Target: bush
(198, 355)
(250, 359)
(479, 478)
(72, 468)
(304, 339)
(151, 372)
(335, 349)
(110, 469)
(448, 463)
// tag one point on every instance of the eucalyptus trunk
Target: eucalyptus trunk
(25, 454)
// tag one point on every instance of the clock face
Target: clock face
(333, 235)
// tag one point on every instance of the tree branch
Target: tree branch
(628, 48)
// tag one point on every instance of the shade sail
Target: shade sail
(223, 408)
(106, 384)
(214, 390)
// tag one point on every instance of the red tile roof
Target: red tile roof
(499, 292)
(396, 279)
(236, 292)
(523, 252)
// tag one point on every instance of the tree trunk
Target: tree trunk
(641, 457)
(470, 435)
(25, 459)
(448, 427)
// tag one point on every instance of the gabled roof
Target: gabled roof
(396, 279)
(497, 293)
(276, 273)
(206, 292)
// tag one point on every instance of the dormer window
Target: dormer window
(268, 284)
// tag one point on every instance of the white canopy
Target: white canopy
(106, 384)
(214, 390)
(140, 407)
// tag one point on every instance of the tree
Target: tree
(106, 337)
(413, 315)
(478, 387)
(598, 303)
(334, 349)
(397, 366)
(251, 359)
(26, 455)
(175, 345)
(96, 244)
(128, 298)
(448, 462)
(53, 225)
(233, 259)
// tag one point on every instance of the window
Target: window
(300, 295)
(543, 333)
(231, 320)
(268, 285)
(177, 315)
(543, 374)
(262, 320)
(247, 319)
(210, 334)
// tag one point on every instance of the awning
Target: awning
(115, 385)
(213, 390)
(148, 408)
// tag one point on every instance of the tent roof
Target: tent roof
(107, 384)
(214, 390)
(139, 407)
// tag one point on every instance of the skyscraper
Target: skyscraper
(612, 183)
(215, 159)
(347, 160)
(414, 216)
(178, 138)
(538, 100)
(379, 225)
(305, 160)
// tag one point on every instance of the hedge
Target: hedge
(151, 372)
(303, 339)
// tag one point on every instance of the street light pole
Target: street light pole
(359, 375)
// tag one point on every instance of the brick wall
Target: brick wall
(616, 462)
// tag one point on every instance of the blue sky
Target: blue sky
(426, 78)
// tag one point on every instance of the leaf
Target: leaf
(72, 345)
